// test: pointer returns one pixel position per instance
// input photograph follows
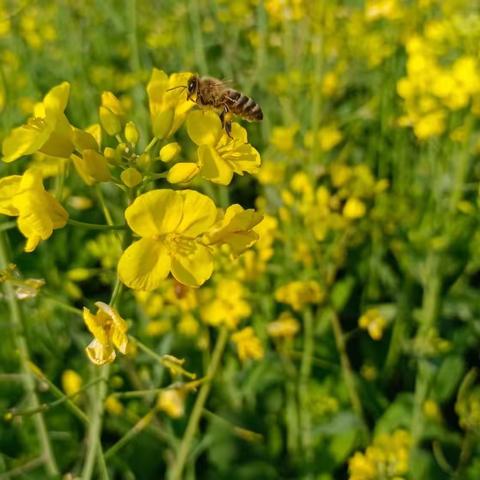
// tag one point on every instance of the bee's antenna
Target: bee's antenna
(178, 86)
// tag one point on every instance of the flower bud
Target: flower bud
(169, 152)
(111, 113)
(131, 133)
(110, 122)
(131, 177)
(111, 155)
(182, 172)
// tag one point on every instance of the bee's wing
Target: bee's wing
(223, 83)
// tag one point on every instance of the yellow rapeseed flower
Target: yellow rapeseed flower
(236, 229)
(91, 165)
(248, 344)
(188, 325)
(228, 306)
(386, 459)
(283, 138)
(71, 382)
(374, 322)
(286, 326)
(170, 224)
(38, 212)
(299, 293)
(327, 138)
(354, 209)
(113, 405)
(168, 104)
(48, 131)
(109, 330)
(220, 155)
(172, 402)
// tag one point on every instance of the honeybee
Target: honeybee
(211, 92)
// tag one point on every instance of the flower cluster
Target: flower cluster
(175, 232)
(387, 458)
(431, 89)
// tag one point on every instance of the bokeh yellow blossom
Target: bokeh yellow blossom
(386, 459)
(286, 326)
(248, 344)
(299, 293)
(374, 322)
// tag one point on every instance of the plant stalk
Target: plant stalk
(28, 381)
(181, 460)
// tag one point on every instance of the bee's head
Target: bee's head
(192, 86)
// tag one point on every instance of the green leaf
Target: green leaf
(448, 377)
(342, 445)
(398, 415)
(341, 292)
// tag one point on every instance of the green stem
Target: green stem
(58, 393)
(317, 45)
(22, 470)
(466, 449)
(305, 372)
(177, 470)
(347, 371)
(430, 308)
(47, 406)
(94, 226)
(7, 225)
(132, 433)
(244, 433)
(152, 143)
(95, 426)
(401, 329)
(163, 360)
(103, 205)
(28, 382)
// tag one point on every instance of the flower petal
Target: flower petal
(199, 213)
(96, 325)
(195, 268)
(57, 98)
(144, 264)
(204, 127)
(243, 158)
(9, 187)
(92, 167)
(213, 166)
(162, 123)
(58, 215)
(156, 88)
(155, 213)
(100, 354)
(24, 140)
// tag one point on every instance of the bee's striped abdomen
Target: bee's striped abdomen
(243, 106)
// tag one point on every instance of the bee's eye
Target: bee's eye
(191, 86)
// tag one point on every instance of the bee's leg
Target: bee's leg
(226, 122)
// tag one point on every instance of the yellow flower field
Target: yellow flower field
(239, 239)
